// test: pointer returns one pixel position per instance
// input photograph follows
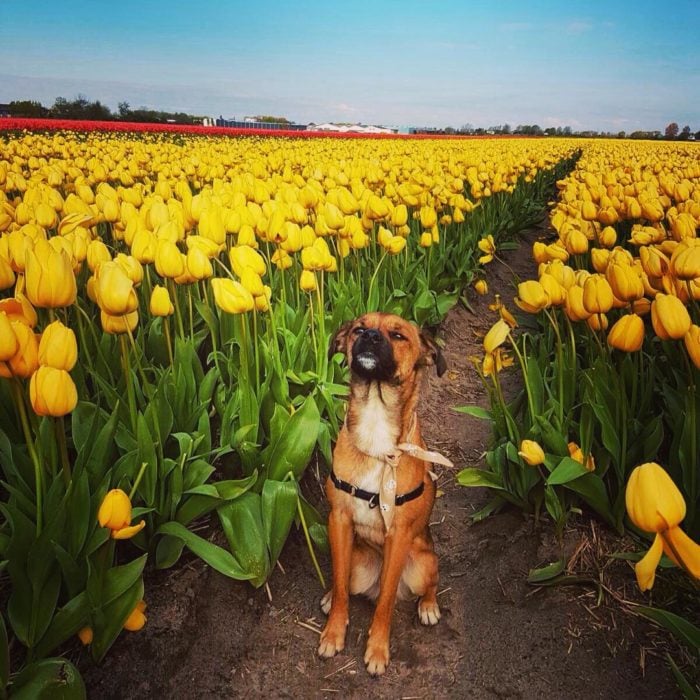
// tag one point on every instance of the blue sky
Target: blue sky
(609, 66)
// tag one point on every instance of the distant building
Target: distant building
(352, 128)
(251, 123)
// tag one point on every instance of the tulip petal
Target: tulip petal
(645, 568)
(683, 551)
(126, 533)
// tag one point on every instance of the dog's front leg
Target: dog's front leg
(396, 547)
(340, 536)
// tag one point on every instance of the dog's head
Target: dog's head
(386, 347)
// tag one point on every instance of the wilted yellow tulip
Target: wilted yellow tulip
(496, 336)
(160, 304)
(115, 513)
(52, 392)
(495, 361)
(669, 317)
(58, 347)
(654, 504)
(231, 296)
(49, 277)
(627, 333)
(481, 287)
(531, 452)
(488, 247)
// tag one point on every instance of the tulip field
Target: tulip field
(166, 308)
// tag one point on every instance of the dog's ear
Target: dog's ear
(432, 355)
(338, 341)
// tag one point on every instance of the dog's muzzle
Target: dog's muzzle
(372, 356)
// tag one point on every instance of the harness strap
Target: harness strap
(373, 498)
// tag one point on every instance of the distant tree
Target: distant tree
(621, 134)
(567, 131)
(550, 131)
(27, 108)
(697, 135)
(671, 130)
(685, 133)
(124, 110)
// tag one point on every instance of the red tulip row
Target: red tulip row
(14, 123)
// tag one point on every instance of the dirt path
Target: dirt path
(209, 637)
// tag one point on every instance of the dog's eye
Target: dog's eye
(358, 330)
(395, 335)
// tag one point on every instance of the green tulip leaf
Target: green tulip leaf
(474, 412)
(546, 573)
(683, 630)
(67, 621)
(4, 656)
(567, 470)
(479, 477)
(243, 526)
(279, 502)
(50, 679)
(217, 557)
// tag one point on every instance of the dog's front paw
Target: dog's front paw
(326, 602)
(428, 612)
(332, 640)
(376, 657)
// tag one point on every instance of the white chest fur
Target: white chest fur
(368, 521)
(375, 433)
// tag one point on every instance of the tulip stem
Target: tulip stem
(137, 481)
(60, 430)
(309, 544)
(139, 368)
(127, 378)
(374, 278)
(38, 477)
(168, 340)
(176, 304)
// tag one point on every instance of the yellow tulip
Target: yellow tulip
(170, 262)
(428, 217)
(137, 618)
(131, 266)
(669, 317)
(653, 261)
(58, 347)
(531, 452)
(495, 361)
(597, 295)
(426, 239)
(243, 256)
(198, 264)
(252, 281)
(654, 504)
(399, 217)
(685, 261)
(115, 325)
(26, 358)
(86, 635)
(624, 281)
(627, 333)
(7, 274)
(143, 246)
(555, 292)
(115, 513)
(692, 344)
(376, 208)
(600, 257)
(49, 277)
(114, 290)
(396, 245)
(18, 308)
(8, 339)
(52, 392)
(576, 242)
(160, 304)
(532, 296)
(231, 296)
(576, 453)
(607, 237)
(307, 281)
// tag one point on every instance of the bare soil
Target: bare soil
(210, 637)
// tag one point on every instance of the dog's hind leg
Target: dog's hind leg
(420, 577)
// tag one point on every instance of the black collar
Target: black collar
(373, 498)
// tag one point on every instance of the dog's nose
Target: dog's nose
(372, 335)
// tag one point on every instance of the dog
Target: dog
(380, 488)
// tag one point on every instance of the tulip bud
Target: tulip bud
(532, 296)
(597, 295)
(692, 344)
(160, 304)
(115, 325)
(8, 339)
(137, 618)
(531, 452)
(307, 281)
(396, 245)
(627, 334)
(49, 277)
(669, 317)
(685, 261)
(653, 501)
(58, 347)
(624, 281)
(231, 296)
(170, 262)
(114, 290)
(25, 360)
(52, 392)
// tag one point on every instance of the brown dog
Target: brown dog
(380, 490)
